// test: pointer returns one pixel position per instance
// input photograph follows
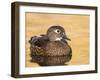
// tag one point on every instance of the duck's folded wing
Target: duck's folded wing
(36, 51)
(37, 45)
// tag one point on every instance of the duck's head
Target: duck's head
(56, 33)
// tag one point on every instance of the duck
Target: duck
(51, 48)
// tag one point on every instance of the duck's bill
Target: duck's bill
(65, 37)
(68, 39)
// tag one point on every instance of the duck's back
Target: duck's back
(57, 48)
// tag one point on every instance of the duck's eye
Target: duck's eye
(57, 31)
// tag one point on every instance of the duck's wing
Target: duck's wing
(37, 45)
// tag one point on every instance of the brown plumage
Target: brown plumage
(57, 48)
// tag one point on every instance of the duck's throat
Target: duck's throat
(58, 39)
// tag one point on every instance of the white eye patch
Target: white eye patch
(57, 31)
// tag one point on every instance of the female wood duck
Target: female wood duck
(53, 44)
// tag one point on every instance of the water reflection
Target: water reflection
(50, 60)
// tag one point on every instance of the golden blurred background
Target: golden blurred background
(76, 27)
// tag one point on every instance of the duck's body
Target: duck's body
(57, 48)
(42, 46)
(46, 45)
